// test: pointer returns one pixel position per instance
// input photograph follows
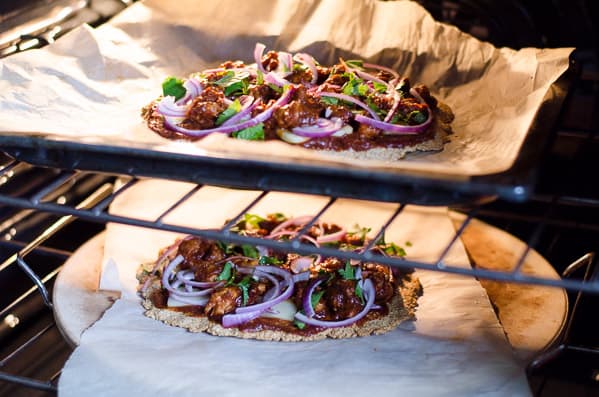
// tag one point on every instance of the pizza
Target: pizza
(353, 108)
(254, 292)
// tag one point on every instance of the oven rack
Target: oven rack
(52, 199)
(97, 211)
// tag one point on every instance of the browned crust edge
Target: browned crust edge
(401, 308)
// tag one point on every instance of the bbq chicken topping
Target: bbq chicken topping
(233, 284)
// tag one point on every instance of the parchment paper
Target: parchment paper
(91, 84)
(455, 348)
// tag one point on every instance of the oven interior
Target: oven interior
(42, 222)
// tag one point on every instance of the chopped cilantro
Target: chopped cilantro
(244, 285)
(227, 273)
(240, 87)
(229, 112)
(226, 79)
(172, 86)
(395, 250)
(299, 324)
(249, 251)
(269, 260)
(348, 273)
(359, 292)
(275, 88)
(259, 77)
(356, 63)
(355, 86)
(417, 116)
(374, 106)
(328, 100)
(233, 82)
(226, 248)
(252, 221)
(255, 133)
(379, 86)
(408, 243)
(315, 298)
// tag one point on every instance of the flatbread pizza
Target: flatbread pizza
(254, 292)
(352, 108)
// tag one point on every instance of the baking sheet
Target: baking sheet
(90, 85)
(456, 346)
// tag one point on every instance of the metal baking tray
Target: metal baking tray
(323, 178)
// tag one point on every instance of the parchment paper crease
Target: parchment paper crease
(455, 348)
(91, 84)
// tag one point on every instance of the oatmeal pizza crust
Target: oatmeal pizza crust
(353, 108)
(252, 292)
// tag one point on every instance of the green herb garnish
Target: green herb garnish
(233, 82)
(229, 112)
(299, 324)
(259, 77)
(252, 221)
(394, 250)
(359, 292)
(269, 260)
(227, 273)
(417, 116)
(255, 133)
(329, 100)
(249, 251)
(315, 298)
(348, 273)
(244, 285)
(172, 86)
(355, 86)
(356, 63)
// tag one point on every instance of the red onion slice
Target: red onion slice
(198, 301)
(187, 278)
(285, 64)
(305, 276)
(168, 272)
(270, 303)
(353, 100)
(323, 128)
(258, 52)
(235, 319)
(327, 238)
(265, 115)
(309, 61)
(369, 293)
(275, 79)
(395, 129)
(307, 300)
(299, 220)
(301, 264)
(393, 109)
(169, 108)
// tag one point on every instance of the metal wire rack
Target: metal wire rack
(96, 210)
(49, 198)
